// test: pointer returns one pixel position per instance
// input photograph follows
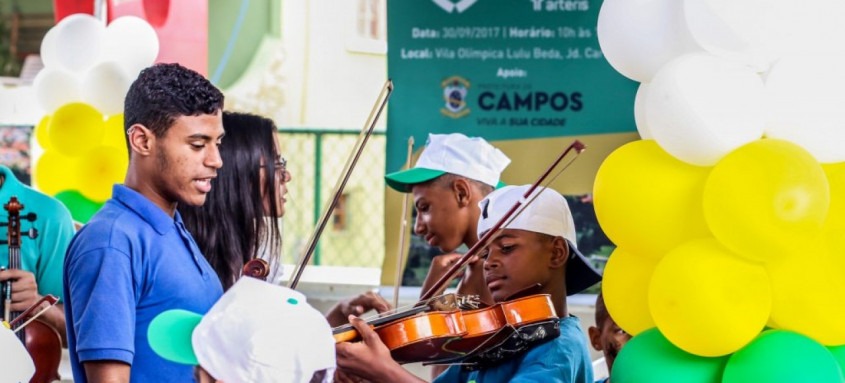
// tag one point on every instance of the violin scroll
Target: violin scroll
(257, 268)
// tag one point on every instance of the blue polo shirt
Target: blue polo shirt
(131, 262)
(562, 360)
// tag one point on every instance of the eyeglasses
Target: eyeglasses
(281, 166)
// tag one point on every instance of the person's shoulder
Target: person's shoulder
(110, 227)
(46, 207)
(571, 344)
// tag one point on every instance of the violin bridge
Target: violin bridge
(469, 302)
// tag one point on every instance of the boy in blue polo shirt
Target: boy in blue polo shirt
(536, 248)
(135, 259)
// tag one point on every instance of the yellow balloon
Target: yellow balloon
(54, 172)
(809, 294)
(75, 128)
(625, 289)
(707, 301)
(99, 170)
(647, 201)
(765, 198)
(41, 133)
(114, 134)
(834, 225)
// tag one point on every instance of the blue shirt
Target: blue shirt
(131, 262)
(43, 256)
(564, 359)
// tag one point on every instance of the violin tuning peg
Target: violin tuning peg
(31, 217)
(32, 233)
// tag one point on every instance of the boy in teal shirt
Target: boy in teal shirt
(42, 258)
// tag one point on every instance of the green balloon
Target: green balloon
(839, 354)
(780, 356)
(81, 208)
(650, 357)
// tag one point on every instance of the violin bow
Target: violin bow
(441, 283)
(363, 137)
(403, 229)
(51, 301)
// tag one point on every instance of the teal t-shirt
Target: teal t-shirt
(43, 256)
(564, 360)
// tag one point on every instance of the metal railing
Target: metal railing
(355, 234)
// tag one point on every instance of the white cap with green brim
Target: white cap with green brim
(256, 332)
(454, 153)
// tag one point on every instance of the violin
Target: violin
(42, 341)
(444, 331)
(419, 333)
(507, 328)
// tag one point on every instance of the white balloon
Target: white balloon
(79, 40)
(754, 32)
(131, 41)
(15, 364)
(817, 27)
(104, 87)
(700, 107)
(55, 87)
(639, 112)
(638, 36)
(48, 48)
(807, 104)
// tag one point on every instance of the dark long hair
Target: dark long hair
(230, 228)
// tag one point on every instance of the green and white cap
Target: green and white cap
(454, 153)
(256, 332)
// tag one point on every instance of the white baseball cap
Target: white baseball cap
(548, 214)
(15, 363)
(454, 153)
(256, 332)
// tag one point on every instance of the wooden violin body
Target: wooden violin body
(419, 333)
(484, 324)
(44, 344)
(423, 336)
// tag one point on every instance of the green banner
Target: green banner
(500, 69)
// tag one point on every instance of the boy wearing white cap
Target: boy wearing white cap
(256, 332)
(454, 172)
(537, 247)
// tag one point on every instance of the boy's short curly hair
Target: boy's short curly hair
(164, 92)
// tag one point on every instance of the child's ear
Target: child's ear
(141, 139)
(462, 191)
(560, 253)
(595, 337)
